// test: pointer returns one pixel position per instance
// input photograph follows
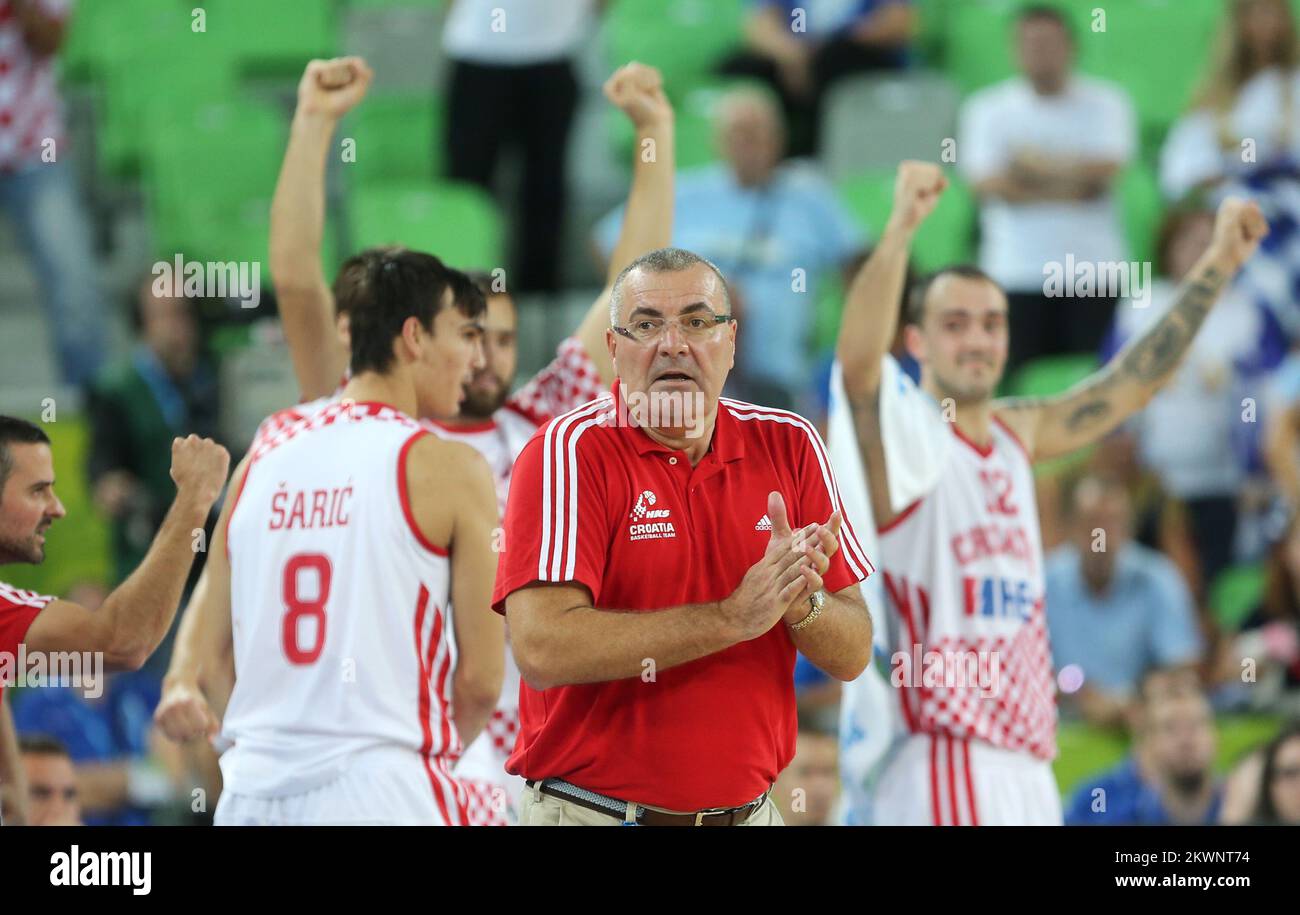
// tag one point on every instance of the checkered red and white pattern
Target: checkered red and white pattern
(1020, 715)
(569, 381)
(964, 578)
(30, 108)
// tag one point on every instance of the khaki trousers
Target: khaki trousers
(537, 809)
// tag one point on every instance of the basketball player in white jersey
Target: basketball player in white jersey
(493, 421)
(962, 563)
(351, 533)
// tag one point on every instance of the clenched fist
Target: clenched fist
(332, 88)
(183, 714)
(1239, 227)
(916, 193)
(199, 467)
(638, 91)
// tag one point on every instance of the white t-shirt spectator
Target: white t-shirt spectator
(1090, 118)
(515, 32)
(1204, 146)
(1186, 434)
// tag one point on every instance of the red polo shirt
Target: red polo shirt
(604, 505)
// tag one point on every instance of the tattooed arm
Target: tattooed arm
(1051, 426)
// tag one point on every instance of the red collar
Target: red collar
(982, 450)
(728, 442)
(486, 425)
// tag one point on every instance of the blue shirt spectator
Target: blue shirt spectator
(113, 728)
(824, 18)
(1125, 800)
(1143, 618)
(759, 235)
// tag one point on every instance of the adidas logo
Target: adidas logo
(764, 524)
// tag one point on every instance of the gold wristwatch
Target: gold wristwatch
(818, 600)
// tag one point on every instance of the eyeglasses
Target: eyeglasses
(692, 327)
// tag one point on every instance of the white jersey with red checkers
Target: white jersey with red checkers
(342, 627)
(963, 574)
(570, 380)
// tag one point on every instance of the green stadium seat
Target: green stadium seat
(1141, 209)
(398, 138)
(1158, 50)
(139, 99)
(457, 222)
(947, 237)
(233, 148)
(1235, 592)
(1048, 375)
(685, 39)
(274, 39)
(78, 546)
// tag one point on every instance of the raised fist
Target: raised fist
(1239, 227)
(333, 87)
(199, 467)
(638, 91)
(916, 193)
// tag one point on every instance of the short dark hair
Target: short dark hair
(14, 431)
(664, 260)
(921, 289)
(1043, 11)
(486, 283)
(1265, 810)
(42, 745)
(381, 287)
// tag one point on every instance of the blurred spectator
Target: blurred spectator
(53, 798)
(1271, 634)
(1252, 92)
(801, 47)
(512, 83)
(38, 190)
(1115, 609)
(164, 388)
(1168, 781)
(806, 791)
(772, 229)
(1190, 432)
(1242, 137)
(1042, 151)
(1282, 434)
(123, 774)
(1279, 799)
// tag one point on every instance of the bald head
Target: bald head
(750, 134)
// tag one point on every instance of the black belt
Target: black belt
(612, 807)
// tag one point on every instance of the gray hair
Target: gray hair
(663, 260)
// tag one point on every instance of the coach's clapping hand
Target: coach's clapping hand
(332, 88)
(199, 467)
(183, 713)
(790, 571)
(917, 190)
(638, 91)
